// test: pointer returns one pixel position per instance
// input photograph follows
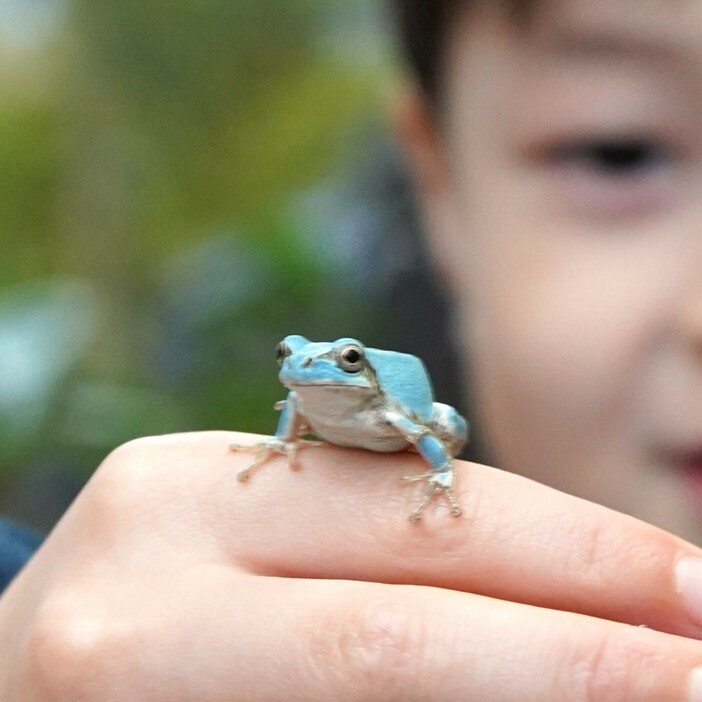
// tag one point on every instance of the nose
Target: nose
(307, 362)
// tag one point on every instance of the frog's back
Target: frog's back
(404, 380)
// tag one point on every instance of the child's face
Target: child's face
(568, 217)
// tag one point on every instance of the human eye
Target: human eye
(615, 157)
(613, 174)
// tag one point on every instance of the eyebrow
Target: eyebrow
(620, 44)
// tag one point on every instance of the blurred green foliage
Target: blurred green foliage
(156, 163)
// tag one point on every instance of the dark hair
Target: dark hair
(422, 26)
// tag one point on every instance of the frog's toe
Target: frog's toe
(270, 445)
(265, 449)
(417, 514)
(456, 509)
(291, 453)
(419, 476)
(243, 475)
(439, 481)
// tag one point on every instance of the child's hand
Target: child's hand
(169, 580)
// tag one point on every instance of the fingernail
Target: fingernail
(696, 685)
(688, 577)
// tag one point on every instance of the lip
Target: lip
(688, 465)
(688, 460)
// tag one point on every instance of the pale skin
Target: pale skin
(579, 291)
(169, 580)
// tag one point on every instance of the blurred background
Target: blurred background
(182, 184)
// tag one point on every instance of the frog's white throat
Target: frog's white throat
(348, 415)
(320, 400)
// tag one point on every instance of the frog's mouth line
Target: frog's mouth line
(346, 386)
(327, 385)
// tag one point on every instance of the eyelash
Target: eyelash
(615, 175)
(614, 157)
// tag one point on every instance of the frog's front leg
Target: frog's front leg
(442, 475)
(286, 440)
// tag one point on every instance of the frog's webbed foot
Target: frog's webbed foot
(267, 448)
(439, 481)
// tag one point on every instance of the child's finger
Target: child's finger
(217, 635)
(343, 516)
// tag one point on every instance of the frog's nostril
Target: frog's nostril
(307, 362)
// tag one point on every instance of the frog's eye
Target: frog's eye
(282, 351)
(351, 359)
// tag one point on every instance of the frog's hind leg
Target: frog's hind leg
(434, 451)
(450, 427)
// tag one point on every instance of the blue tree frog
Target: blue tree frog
(351, 395)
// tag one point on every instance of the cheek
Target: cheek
(544, 363)
(559, 327)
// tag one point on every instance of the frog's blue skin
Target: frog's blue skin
(384, 402)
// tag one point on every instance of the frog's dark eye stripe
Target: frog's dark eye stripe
(282, 351)
(351, 359)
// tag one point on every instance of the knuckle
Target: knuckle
(611, 670)
(131, 456)
(70, 649)
(373, 647)
(598, 549)
(593, 548)
(127, 477)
